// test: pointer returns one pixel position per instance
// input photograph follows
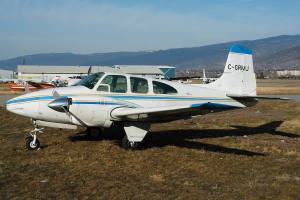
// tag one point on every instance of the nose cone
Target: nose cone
(25, 105)
(13, 105)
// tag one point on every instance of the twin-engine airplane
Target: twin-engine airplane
(103, 100)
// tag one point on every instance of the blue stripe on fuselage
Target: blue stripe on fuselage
(127, 97)
(209, 105)
(29, 99)
(163, 97)
(96, 103)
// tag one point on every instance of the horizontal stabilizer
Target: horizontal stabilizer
(252, 100)
(257, 97)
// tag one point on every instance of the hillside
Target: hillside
(289, 58)
(274, 52)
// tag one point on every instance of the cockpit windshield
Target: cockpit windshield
(91, 80)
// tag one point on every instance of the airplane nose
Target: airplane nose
(24, 105)
(13, 106)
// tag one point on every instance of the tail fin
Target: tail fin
(238, 77)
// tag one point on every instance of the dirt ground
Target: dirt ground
(252, 153)
(4, 89)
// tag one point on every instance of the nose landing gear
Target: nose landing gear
(32, 143)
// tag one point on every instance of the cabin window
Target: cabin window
(139, 85)
(113, 83)
(162, 88)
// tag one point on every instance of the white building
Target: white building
(288, 73)
(47, 73)
(6, 74)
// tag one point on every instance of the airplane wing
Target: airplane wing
(141, 113)
(34, 84)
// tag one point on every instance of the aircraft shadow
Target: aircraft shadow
(183, 138)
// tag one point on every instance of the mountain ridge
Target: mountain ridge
(269, 53)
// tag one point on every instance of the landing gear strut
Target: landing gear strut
(32, 143)
(134, 135)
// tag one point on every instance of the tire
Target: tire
(29, 144)
(94, 133)
(126, 144)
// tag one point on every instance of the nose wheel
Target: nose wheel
(32, 142)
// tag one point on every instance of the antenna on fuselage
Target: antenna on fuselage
(55, 94)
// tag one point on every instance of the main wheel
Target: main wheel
(94, 133)
(126, 144)
(30, 145)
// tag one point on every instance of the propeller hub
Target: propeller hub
(61, 104)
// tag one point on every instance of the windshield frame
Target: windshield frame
(91, 80)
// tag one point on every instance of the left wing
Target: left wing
(141, 113)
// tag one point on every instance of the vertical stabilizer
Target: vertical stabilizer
(238, 77)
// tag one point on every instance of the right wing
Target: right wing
(142, 113)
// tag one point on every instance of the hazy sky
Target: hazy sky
(89, 26)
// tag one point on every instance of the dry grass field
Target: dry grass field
(241, 154)
(278, 86)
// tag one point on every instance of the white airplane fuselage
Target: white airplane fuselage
(94, 108)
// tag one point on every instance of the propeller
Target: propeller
(62, 104)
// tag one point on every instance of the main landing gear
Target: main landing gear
(93, 133)
(32, 142)
(126, 144)
(134, 135)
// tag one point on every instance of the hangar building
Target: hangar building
(48, 72)
(6, 74)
